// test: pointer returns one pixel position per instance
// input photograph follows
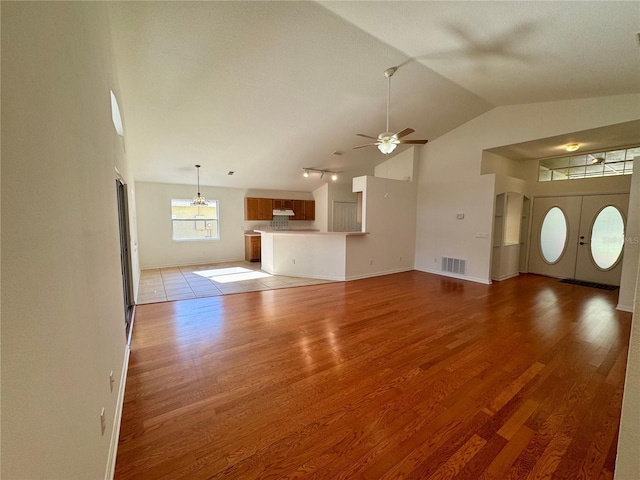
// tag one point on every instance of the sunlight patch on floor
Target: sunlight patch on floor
(234, 274)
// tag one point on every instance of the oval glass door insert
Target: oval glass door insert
(553, 235)
(607, 237)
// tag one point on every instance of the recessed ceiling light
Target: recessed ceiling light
(572, 147)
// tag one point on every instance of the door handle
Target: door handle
(583, 243)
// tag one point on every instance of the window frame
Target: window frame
(195, 219)
(546, 168)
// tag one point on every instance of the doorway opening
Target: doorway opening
(125, 255)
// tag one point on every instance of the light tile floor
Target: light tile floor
(196, 281)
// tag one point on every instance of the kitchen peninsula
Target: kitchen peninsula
(310, 254)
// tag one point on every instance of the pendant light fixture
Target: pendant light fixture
(199, 200)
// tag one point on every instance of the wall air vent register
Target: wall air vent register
(454, 265)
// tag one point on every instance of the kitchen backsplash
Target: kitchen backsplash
(280, 222)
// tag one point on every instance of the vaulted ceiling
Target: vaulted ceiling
(264, 89)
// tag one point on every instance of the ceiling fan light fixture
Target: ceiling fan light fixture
(306, 174)
(387, 142)
(387, 146)
(334, 177)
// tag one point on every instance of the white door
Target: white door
(554, 240)
(602, 226)
(579, 237)
(344, 217)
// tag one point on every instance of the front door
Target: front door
(579, 237)
(602, 226)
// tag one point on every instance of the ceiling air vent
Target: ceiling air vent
(454, 265)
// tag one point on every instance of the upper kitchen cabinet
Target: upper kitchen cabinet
(309, 210)
(298, 209)
(258, 209)
(280, 204)
(304, 210)
(262, 208)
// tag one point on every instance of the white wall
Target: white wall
(450, 180)
(62, 311)
(399, 166)
(628, 460)
(389, 210)
(631, 245)
(321, 197)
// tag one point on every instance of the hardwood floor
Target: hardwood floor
(408, 376)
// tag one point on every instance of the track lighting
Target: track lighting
(305, 173)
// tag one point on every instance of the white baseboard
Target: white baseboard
(343, 279)
(117, 418)
(182, 264)
(378, 274)
(453, 275)
(624, 308)
(306, 275)
(505, 277)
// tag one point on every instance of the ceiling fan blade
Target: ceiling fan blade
(367, 145)
(366, 136)
(404, 132)
(413, 142)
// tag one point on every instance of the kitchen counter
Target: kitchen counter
(310, 254)
(308, 232)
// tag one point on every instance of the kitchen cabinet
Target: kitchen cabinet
(281, 204)
(262, 208)
(298, 209)
(258, 209)
(309, 210)
(252, 248)
(304, 210)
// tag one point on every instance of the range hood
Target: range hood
(286, 213)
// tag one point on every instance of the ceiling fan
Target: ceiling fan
(388, 141)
